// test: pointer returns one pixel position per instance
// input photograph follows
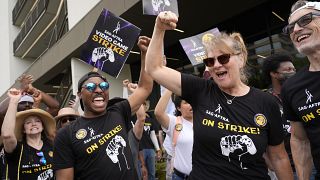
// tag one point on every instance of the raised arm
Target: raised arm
(145, 81)
(9, 123)
(300, 148)
(138, 127)
(169, 78)
(280, 161)
(160, 110)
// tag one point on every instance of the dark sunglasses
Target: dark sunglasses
(222, 59)
(92, 86)
(43, 160)
(64, 120)
(302, 21)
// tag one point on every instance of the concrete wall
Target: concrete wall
(10, 67)
(77, 9)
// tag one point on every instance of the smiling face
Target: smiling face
(32, 125)
(226, 75)
(306, 39)
(94, 102)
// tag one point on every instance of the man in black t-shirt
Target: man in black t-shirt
(277, 68)
(301, 93)
(96, 145)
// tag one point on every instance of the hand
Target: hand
(14, 94)
(159, 155)
(37, 97)
(25, 80)
(73, 102)
(144, 172)
(166, 20)
(132, 87)
(125, 82)
(143, 43)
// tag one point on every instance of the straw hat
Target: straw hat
(67, 111)
(48, 122)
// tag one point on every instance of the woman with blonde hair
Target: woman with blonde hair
(234, 124)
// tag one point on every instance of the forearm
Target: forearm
(53, 104)
(160, 110)
(154, 140)
(8, 126)
(154, 53)
(282, 168)
(302, 158)
(138, 127)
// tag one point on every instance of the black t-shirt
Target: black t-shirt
(301, 102)
(149, 125)
(97, 148)
(35, 164)
(230, 139)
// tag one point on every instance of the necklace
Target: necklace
(229, 101)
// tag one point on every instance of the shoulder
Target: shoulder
(262, 96)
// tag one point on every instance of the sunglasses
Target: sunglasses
(92, 86)
(222, 59)
(302, 21)
(43, 160)
(67, 119)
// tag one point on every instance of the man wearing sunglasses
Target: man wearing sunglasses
(96, 145)
(301, 93)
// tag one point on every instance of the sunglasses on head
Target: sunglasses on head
(302, 21)
(92, 86)
(43, 160)
(222, 59)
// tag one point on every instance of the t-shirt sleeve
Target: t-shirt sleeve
(191, 85)
(288, 112)
(275, 132)
(63, 156)
(125, 110)
(14, 155)
(171, 126)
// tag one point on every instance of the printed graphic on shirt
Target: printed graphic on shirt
(230, 127)
(309, 96)
(260, 120)
(81, 134)
(101, 139)
(217, 114)
(147, 127)
(115, 146)
(46, 175)
(239, 145)
(219, 108)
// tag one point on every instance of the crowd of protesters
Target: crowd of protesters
(222, 127)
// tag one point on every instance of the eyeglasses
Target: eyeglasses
(222, 59)
(43, 160)
(67, 119)
(302, 21)
(92, 86)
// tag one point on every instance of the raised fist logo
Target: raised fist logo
(113, 147)
(238, 145)
(102, 54)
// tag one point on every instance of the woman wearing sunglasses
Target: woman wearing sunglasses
(234, 124)
(27, 138)
(65, 116)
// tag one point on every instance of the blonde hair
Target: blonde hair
(222, 42)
